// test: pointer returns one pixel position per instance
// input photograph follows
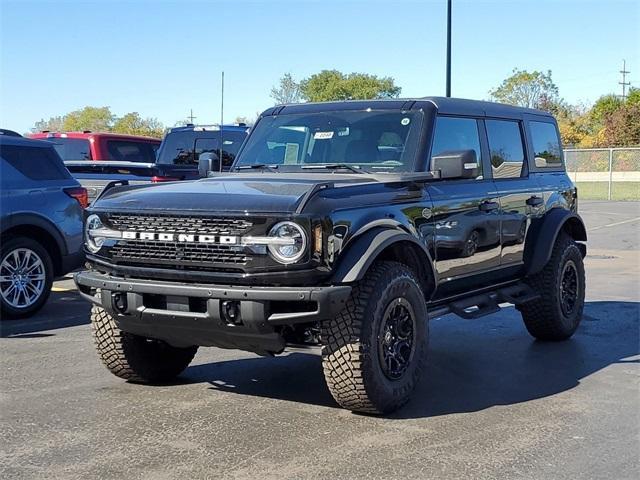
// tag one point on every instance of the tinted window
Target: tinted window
(546, 145)
(72, 148)
(457, 134)
(506, 147)
(368, 140)
(130, 151)
(184, 147)
(36, 163)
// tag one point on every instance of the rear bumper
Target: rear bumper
(193, 314)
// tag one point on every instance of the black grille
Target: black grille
(169, 224)
(176, 253)
(179, 255)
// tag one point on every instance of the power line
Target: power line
(624, 82)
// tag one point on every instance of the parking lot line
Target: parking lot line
(631, 220)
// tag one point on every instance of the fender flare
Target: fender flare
(544, 233)
(365, 248)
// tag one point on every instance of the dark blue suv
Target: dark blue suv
(41, 208)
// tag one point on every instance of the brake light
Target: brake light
(160, 178)
(80, 194)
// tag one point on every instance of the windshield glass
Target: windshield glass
(371, 141)
(183, 147)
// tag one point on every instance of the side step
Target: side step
(487, 303)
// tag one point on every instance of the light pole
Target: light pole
(448, 48)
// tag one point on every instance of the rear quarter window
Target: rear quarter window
(35, 163)
(546, 145)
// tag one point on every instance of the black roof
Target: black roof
(459, 106)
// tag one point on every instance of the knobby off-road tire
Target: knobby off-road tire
(136, 358)
(356, 360)
(561, 286)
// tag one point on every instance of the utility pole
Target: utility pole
(221, 120)
(448, 48)
(624, 82)
(191, 117)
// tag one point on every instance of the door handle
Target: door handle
(535, 201)
(488, 206)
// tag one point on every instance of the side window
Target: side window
(546, 145)
(127, 151)
(506, 148)
(457, 134)
(36, 163)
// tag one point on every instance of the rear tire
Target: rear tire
(26, 275)
(375, 350)
(561, 286)
(136, 358)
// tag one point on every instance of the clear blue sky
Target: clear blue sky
(161, 58)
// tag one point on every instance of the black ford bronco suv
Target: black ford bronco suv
(347, 225)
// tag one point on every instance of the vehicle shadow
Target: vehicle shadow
(62, 310)
(473, 365)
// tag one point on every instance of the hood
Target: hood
(235, 192)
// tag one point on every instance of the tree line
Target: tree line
(610, 122)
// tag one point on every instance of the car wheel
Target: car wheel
(471, 245)
(26, 275)
(561, 286)
(136, 358)
(375, 350)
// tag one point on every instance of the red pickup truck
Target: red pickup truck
(73, 146)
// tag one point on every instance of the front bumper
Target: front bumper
(193, 314)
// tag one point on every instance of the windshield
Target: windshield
(184, 147)
(371, 141)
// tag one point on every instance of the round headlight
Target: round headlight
(291, 251)
(91, 240)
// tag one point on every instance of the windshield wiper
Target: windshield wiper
(334, 166)
(258, 166)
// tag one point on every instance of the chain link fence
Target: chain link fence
(605, 173)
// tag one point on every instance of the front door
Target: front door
(466, 212)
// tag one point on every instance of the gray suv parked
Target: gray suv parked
(41, 209)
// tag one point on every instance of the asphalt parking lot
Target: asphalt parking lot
(494, 403)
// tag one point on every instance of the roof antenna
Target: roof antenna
(221, 121)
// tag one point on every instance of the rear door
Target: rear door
(520, 197)
(465, 211)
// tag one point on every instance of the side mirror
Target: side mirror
(208, 162)
(456, 164)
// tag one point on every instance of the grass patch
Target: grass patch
(600, 190)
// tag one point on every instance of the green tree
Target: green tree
(133, 124)
(604, 106)
(96, 119)
(54, 124)
(287, 90)
(334, 85)
(529, 89)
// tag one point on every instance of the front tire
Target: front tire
(136, 358)
(26, 275)
(561, 286)
(375, 350)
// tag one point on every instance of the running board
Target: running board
(486, 303)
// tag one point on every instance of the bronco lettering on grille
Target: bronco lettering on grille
(181, 237)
